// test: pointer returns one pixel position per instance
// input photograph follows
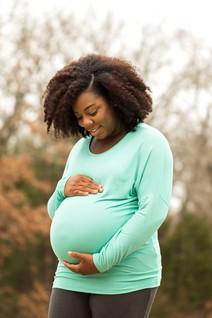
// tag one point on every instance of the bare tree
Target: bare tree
(175, 66)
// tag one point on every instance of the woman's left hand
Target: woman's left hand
(85, 266)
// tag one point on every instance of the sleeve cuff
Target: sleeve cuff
(100, 264)
(97, 263)
(61, 186)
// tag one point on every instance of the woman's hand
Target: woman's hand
(85, 266)
(81, 185)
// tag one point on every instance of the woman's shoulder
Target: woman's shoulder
(153, 141)
(150, 135)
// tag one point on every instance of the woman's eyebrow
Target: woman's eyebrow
(85, 108)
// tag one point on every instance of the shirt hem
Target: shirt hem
(64, 283)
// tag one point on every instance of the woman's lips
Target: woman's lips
(95, 131)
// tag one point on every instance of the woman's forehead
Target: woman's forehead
(84, 101)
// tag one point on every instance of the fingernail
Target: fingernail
(69, 252)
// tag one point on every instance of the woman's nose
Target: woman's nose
(86, 122)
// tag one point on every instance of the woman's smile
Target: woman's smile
(95, 132)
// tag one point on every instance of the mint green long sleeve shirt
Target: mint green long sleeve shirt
(120, 225)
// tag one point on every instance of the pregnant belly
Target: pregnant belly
(81, 224)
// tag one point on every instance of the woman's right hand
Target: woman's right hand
(81, 185)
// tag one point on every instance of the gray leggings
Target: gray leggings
(72, 304)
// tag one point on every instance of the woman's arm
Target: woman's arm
(58, 195)
(153, 186)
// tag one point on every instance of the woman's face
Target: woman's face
(94, 114)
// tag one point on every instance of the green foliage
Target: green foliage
(43, 171)
(186, 253)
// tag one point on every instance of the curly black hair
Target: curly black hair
(114, 79)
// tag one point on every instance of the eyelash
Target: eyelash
(93, 114)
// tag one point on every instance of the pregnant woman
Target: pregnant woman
(113, 195)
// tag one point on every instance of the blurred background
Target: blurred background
(171, 45)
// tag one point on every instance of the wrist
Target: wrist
(61, 186)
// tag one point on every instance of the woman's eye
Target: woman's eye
(92, 114)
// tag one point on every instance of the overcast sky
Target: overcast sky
(191, 15)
